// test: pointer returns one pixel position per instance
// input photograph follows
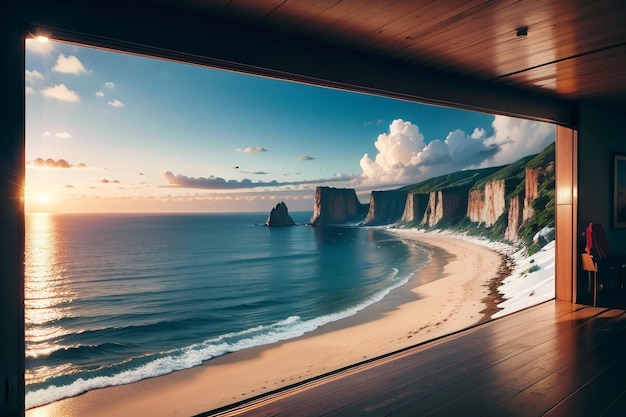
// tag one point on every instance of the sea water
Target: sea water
(116, 298)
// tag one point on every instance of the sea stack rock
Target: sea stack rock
(279, 216)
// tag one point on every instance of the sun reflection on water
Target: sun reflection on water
(47, 295)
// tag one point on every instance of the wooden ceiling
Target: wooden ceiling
(575, 49)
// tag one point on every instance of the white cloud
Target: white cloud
(116, 103)
(515, 138)
(33, 76)
(29, 90)
(250, 149)
(63, 135)
(61, 92)
(305, 158)
(478, 133)
(69, 65)
(217, 183)
(99, 94)
(109, 84)
(404, 157)
(51, 163)
(46, 133)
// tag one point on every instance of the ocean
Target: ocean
(116, 298)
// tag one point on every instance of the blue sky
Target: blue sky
(118, 132)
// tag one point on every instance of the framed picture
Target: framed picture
(619, 190)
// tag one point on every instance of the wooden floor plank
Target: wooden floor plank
(597, 394)
(461, 394)
(487, 387)
(543, 395)
(618, 408)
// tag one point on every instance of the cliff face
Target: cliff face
(414, 209)
(534, 177)
(447, 204)
(514, 219)
(386, 207)
(486, 205)
(336, 206)
(531, 191)
(279, 216)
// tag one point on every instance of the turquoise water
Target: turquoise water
(113, 299)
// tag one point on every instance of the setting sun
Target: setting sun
(42, 199)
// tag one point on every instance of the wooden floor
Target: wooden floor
(555, 359)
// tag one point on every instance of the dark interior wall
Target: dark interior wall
(11, 218)
(600, 136)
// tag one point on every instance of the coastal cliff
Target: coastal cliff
(414, 209)
(336, 206)
(517, 201)
(386, 207)
(511, 202)
(447, 204)
(486, 204)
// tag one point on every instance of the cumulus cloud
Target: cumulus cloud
(217, 183)
(32, 77)
(99, 94)
(250, 149)
(515, 138)
(29, 90)
(404, 157)
(69, 65)
(51, 163)
(116, 103)
(109, 84)
(305, 158)
(61, 92)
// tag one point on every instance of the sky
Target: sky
(113, 132)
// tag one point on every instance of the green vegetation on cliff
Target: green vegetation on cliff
(456, 179)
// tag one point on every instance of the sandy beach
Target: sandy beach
(409, 315)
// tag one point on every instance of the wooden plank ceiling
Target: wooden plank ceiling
(573, 48)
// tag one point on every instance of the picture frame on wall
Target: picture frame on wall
(619, 190)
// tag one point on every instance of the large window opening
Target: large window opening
(148, 187)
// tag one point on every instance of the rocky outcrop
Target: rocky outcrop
(486, 204)
(414, 209)
(447, 204)
(279, 216)
(386, 207)
(336, 206)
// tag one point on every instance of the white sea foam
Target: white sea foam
(196, 354)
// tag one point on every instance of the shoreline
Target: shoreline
(409, 315)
